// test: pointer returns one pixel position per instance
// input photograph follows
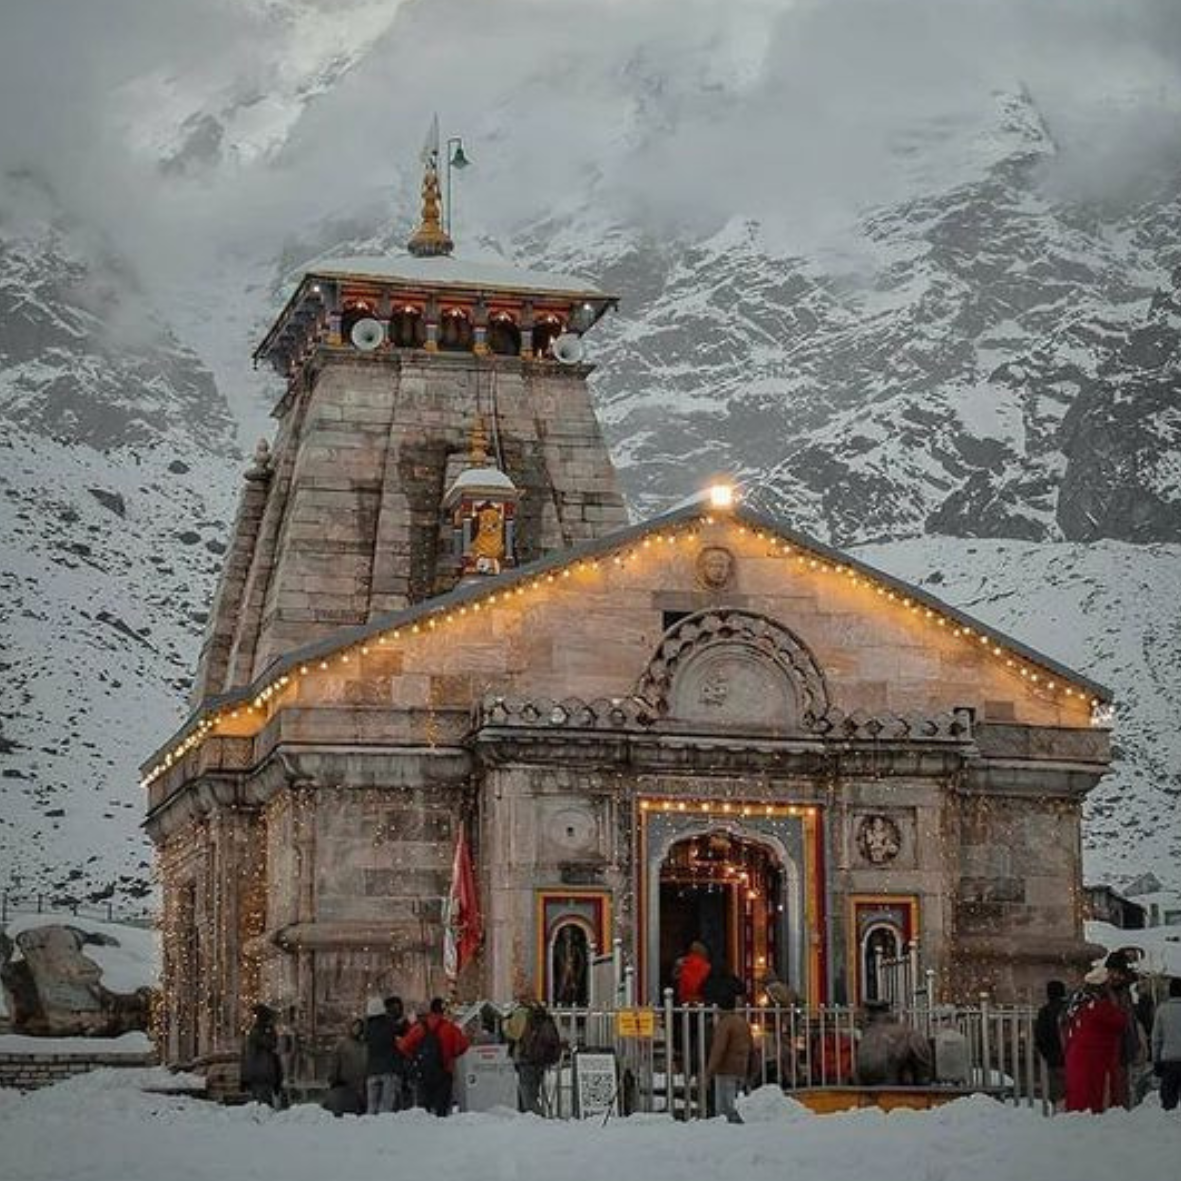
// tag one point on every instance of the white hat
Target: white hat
(1096, 976)
(374, 1007)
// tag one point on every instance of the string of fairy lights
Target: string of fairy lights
(251, 711)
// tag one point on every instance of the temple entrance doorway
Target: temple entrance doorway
(728, 893)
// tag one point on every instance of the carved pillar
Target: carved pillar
(480, 329)
(527, 330)
(431, 316)
(331, 295)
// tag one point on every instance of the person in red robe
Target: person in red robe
(1092, 1032)
(691, 977)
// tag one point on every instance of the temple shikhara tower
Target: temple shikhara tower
(458, 724)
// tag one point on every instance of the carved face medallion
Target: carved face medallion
(715, 567)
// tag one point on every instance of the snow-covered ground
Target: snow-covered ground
(105, 1127)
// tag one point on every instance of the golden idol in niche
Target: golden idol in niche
(488, 543)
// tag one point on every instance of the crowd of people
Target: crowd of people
(1104, 1044)
(387, 1061)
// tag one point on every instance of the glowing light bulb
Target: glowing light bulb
(721, 495)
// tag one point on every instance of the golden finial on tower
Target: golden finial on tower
(478, 453)
(431, 239)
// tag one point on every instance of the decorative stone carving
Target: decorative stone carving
(735, 667)
(715, 567)
(572, 829)
(879, 839)
(732, 684)
(55, 989)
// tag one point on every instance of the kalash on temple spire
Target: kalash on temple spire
(430, 238)
(458, 724)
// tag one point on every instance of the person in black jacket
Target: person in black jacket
(1047, 1037)
(381, 1081)
(404, 1082)
(261, 1072)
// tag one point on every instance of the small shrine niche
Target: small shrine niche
(481, 503)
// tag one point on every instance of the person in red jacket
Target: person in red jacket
(1092, 1031)
(432, 1046)
(694, 969)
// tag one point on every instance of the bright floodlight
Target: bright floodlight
(721, 495)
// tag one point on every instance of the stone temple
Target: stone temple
(436, 618)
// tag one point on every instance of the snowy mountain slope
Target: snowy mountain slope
(116, 453)
(930, 388)
(890, 314)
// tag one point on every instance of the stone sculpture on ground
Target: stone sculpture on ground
(53, 989)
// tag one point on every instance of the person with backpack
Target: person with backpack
(432, 1046)
(534, 1045)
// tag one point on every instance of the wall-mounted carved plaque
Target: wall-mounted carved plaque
(732, 684)
(715, 567)
(879, 839)
(572, 829)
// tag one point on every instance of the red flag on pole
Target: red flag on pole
(463, 926)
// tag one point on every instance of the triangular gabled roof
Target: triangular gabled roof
(431, 612)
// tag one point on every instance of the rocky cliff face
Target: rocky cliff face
(987, 361)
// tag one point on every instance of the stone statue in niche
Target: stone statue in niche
(570, 963)
(878, 839)
(715, 567)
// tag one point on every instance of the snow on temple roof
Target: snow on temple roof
(483, 479)
(456, 272)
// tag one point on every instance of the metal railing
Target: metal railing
(986, 1048)
(110, 910)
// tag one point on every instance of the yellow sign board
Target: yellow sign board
(639, 1023)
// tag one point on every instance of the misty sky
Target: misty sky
(184, 126)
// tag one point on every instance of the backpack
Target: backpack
(428, 1058)
(542, 1042)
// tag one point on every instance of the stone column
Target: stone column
(431, 318)
(480, 329)
(526, 327)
